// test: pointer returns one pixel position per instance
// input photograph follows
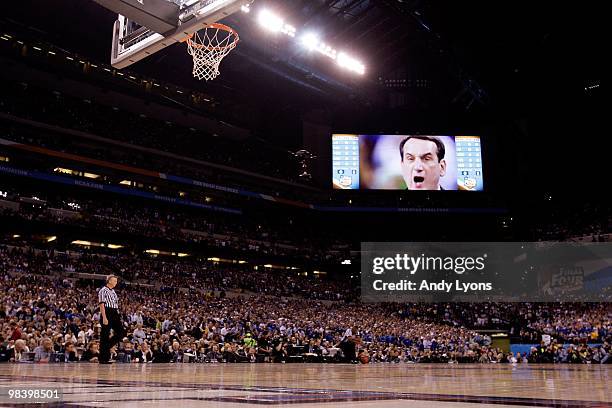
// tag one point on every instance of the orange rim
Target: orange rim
(219, 26)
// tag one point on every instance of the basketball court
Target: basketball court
(310, 385)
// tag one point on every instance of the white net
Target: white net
(208, 47)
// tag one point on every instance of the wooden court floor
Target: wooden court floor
(315, 385)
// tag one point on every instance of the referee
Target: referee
(109, 314)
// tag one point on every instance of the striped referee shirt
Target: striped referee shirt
(108, 296)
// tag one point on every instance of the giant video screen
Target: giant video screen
(406, 162)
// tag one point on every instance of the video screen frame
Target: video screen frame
(407, 162)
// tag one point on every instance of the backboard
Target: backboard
(144, 27)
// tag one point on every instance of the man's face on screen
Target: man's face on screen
(421, 168)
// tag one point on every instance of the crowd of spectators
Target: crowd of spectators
(569, 322)
(212, 229)
(52, 107)
(559, 223)
(169, 274)
(54, 315)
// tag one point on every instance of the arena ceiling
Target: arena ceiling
(528, 63)
(483, 49)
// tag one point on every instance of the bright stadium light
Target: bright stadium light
(310, 41)
(350, 63)
(289, 30)
(246, 8)
(327, 50)
(274, 23)
(270, 21)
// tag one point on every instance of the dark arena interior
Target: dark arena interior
(215, 202)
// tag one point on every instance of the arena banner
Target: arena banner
(527, 348)
(486, 272)
(113, 189)
(149, 173)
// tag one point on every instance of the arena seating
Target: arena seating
(184, 312)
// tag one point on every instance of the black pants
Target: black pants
(106, 340)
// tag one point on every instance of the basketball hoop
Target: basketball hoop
(208, 47)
